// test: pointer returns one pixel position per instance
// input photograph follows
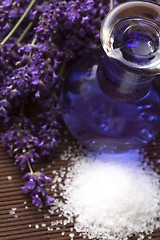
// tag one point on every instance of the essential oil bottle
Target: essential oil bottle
(109, 102)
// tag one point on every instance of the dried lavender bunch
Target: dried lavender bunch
(37, 42)
(22, 144)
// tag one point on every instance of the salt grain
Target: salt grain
(36, 226)
(71, 235)
(55, 223)
(54, 172)
(51, 211)
(111, 196)
(12, 211)
(9, 178)
(43, 225)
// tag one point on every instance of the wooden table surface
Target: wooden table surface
(19, 219)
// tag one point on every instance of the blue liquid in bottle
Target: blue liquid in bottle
(109, 103)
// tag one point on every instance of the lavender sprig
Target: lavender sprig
(35, 186)
(20, 140)
(22, 145)
(48, 129)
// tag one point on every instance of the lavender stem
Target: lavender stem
(18, 23)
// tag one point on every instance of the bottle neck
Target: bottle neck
(122, 83)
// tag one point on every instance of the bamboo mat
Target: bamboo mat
(19, 219)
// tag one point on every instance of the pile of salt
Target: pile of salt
(111, 196)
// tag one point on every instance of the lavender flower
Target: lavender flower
(35, 186)
(18, 138)
(49, 129)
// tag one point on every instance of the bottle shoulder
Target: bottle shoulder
(82, 82)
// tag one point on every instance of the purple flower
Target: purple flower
(36, 200)
(30, 184)
(48, 129)
(35, 186)
(49, 200)
(18, 138)
(7, 3)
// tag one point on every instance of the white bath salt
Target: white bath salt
(111, 196)
(46, 216)
(57, 222)
(12, 211)
(43, 225)
(52, 188)
(9, 178)
(51, 211)
(54, 172)
(50, 229)
(66, 222)
(71, 235)
(63, 233)
(70, 152)
(36, 226)
(29, 225)
(141, 237)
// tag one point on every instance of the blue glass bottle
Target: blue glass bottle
(109, 102)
